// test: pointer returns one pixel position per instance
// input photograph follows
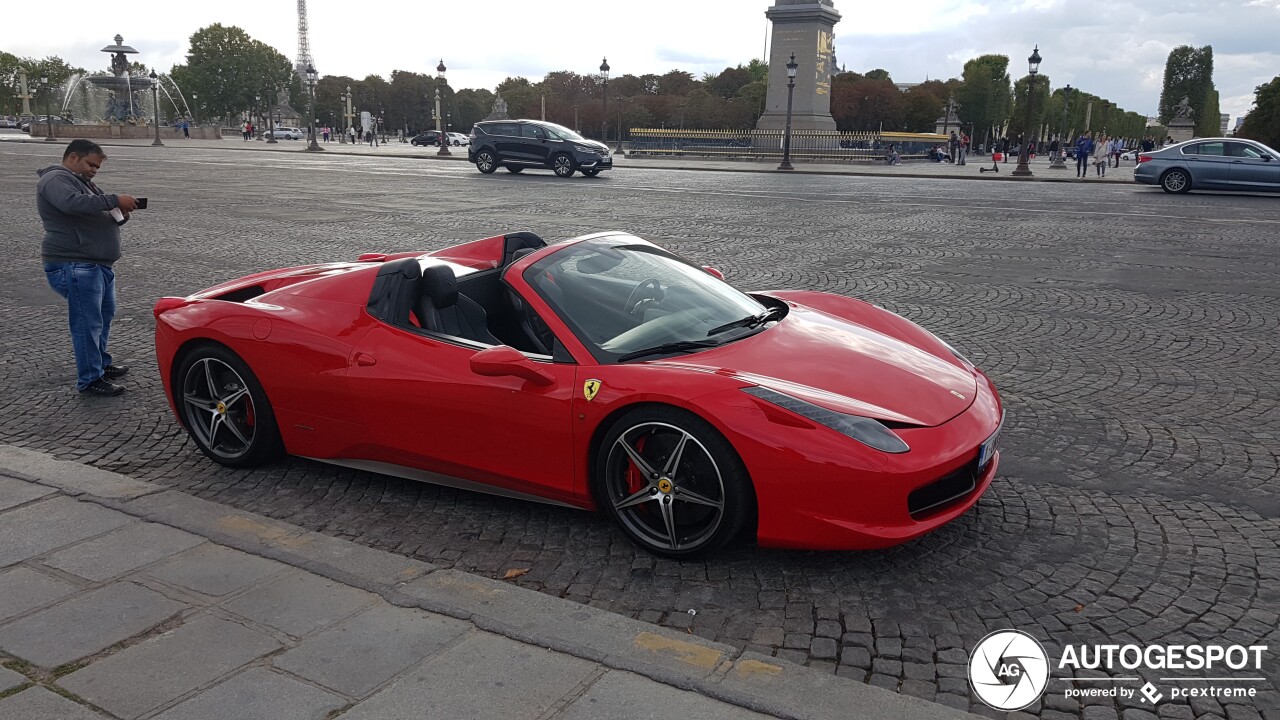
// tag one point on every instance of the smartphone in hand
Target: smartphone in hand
(141, 203)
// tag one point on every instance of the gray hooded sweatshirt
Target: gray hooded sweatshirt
(76, 216)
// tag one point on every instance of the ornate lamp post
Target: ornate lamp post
(604, 112)
(1033, 67)
(256, 116)
(48, 119)
(619, 150)
(312, 146)
(155, 104)
(1058, 162)
(791, 90)
(442, 138)
(347, 98)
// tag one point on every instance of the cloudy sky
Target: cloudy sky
(1113, 48)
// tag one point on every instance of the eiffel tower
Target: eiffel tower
(304, 45)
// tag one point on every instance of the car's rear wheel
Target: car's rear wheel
(563, 165)
(1175, 181)
(591, 173)
(514, 169)
(225, 409)
(486, 162)
(673, 483)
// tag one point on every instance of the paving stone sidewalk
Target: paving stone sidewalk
(121, 599)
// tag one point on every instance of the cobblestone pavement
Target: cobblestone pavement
(1133, 335)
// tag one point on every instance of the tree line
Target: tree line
(233, 75)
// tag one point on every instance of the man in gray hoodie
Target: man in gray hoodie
(81, 242)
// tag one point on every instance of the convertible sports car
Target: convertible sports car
(602, 372)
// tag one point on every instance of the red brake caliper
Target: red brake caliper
(636, 479)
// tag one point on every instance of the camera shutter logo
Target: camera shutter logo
(1008, 670)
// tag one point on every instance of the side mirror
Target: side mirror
(713, 272)
(506, 361)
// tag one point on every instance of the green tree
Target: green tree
(1188, 72)
(1018, 122)
(922, 105)
(879, 74)
(729, 81)
(985, 97)
(227, 69)
(1263, 121)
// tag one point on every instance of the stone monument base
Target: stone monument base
(778, 121)
(1181, 129)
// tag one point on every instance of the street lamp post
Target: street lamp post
(48, 119)
(604, 111)
(256, 117)
(786, 138)
(619, 150)
(1058, 162)
(312, 145)
(155, 105)
(440, 136)
(348, 116)
(195, 118)
(271, 120)
(1033, 67)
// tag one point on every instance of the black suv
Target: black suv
(518, 144)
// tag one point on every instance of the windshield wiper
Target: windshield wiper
(747, 322)
(669, 348)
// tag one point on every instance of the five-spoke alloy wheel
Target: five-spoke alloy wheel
(672, 482)
(225, 409)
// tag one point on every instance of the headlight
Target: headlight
(588, 150)
(869, 432)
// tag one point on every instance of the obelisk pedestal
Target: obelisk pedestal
(805, 28)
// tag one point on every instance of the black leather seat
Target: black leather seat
(443, 310)
(531, 325)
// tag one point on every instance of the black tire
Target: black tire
(654, 502)
(225, 409)
(562, 163)
(1175, 181)
(514, 169)
(486, 162)
(591, 173)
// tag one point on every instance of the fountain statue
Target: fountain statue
(122, 105)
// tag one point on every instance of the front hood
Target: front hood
(845, 367)
(591, 144)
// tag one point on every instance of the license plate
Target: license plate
(988, 448)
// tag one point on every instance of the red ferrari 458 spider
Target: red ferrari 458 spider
(599, 372)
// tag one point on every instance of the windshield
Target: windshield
(628, 301)
(564, 132)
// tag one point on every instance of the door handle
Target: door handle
(365, 360)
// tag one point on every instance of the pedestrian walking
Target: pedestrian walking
(81, 243)
(1117, 147)
(351, 133)
(1101, 155)
(186, 130)
(964, 148)
(244, 130)
(953, 147)
(1084, 149)
(326, 133)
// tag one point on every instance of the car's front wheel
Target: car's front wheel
(225, 409)
(673, 483)
(1175, 181)
(486, 162)
(563, 165)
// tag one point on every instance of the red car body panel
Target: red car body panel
(348, 387)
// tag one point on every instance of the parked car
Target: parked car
(520, 144)
(459, 139)
(601, 372)
(8, 122)
(286, 133)
(430, 137)
(1211, 164)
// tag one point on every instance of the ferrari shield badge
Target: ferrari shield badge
(590, 388)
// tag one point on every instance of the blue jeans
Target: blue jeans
(90, 290)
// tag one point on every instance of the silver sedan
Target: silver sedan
(1211, 164)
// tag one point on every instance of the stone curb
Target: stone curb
(749, 680)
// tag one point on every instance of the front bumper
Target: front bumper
(596, 162)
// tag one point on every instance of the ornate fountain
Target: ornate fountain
(122, 104)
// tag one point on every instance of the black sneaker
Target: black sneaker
(103, 388)
(111, 372)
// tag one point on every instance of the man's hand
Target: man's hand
(127, 203)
